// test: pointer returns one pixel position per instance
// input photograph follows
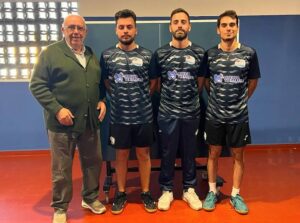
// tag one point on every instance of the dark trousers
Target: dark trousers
(177, 134)
(62, 153)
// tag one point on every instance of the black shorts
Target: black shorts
(128, 136)
(232, 135)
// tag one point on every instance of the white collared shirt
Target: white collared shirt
(79, 55)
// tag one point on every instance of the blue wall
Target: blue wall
(21, 123)
(274, 108)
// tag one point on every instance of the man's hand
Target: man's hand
(65, 117)
(102, 108)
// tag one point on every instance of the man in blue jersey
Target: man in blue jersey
(125, 68)
(179, 66)
(232, 74)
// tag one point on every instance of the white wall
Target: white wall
(194, 7)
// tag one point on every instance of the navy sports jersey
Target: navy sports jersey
(128, 74)
(229, 73)
(179, 70)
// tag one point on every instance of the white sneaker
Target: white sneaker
(59, 217)
(165, 200)
(192, 199)
(96, 207)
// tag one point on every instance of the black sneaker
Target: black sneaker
(119, 203)
(148, 202)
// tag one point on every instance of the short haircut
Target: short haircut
(125, 13)
(231, 13)
(73, 15)
(179, 10)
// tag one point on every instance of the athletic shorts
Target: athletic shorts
(231, 135)
(128, 136)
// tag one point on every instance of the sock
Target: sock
(235, 191)
(212, 187)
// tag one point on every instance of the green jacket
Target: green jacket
(59, 80)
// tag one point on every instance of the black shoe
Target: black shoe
(119, 203)
(148, 202)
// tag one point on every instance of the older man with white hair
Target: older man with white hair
(65, 81)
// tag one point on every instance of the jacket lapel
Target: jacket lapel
(68, 52)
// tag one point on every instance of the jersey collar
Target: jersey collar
(190, 44)
(238, 46)
(137, 46)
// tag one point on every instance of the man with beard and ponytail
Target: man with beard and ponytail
(232, 73)
(125, 69)
(179, 66)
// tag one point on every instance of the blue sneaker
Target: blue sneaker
(239, 205)
(210, 201)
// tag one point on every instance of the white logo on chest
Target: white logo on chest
(240, 63)
(136, 61)
(190, 59)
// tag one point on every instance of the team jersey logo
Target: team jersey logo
(118, 77)
(190, 59)
(220, 78)
(240, 63)
(172, 75)
(112, 140)
(136, 61)
(129, 78)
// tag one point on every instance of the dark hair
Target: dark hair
(179, 10)
(231, 13)
(125, 13)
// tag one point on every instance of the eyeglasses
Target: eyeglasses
(72, 28)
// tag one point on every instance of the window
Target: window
(26, 27)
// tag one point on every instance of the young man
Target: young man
(125, 69)
(59, 83)
(179, 65)
(231, 78)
